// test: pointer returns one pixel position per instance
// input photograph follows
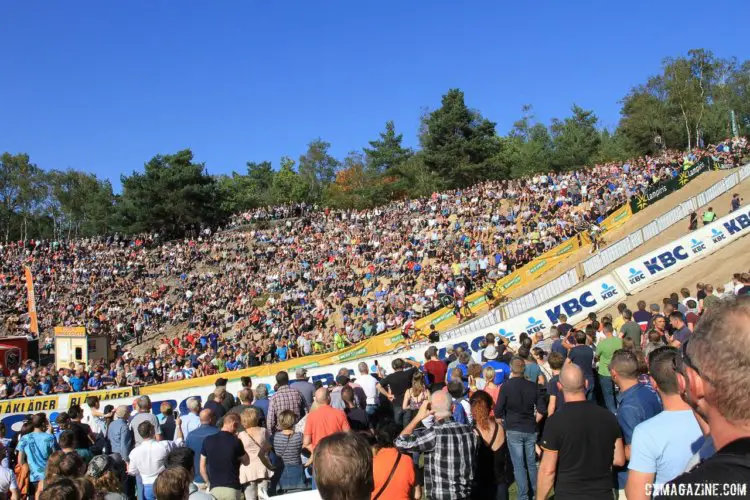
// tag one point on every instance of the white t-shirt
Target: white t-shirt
(7, 480)
(368, 384)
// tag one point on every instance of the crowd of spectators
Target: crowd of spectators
(330, 278)
(464, 427)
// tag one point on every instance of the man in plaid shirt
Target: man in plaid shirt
(285, 398)
(448, 447)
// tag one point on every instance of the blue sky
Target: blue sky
(104, 85)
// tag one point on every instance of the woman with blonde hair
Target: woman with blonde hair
(491, 387)
(288, 447)
(255, 475)
(414, 397)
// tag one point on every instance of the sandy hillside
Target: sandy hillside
(716, 269)
(703, 182)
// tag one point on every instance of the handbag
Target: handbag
(390, 476)
(263, 455)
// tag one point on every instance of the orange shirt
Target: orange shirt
(402, 482)
(323, 422)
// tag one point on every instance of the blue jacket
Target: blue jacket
(120, 438)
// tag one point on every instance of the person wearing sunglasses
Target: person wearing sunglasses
(713, 377)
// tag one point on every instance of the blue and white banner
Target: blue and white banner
(642, 272)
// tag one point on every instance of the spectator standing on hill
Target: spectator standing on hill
(449, 449)
(144, 414)
(195, 442)
(387, 458)
(681, 332)
(191, 420)
(521, 405)
(397, 384)
(636, 402)
(630, 329)
(285, 398)
(642, 316)
(221, 456)
(35, 449)
(663, 445)
(580, 445)
(605, 349)
(583, 356)
(712, 369)
(556, 398)
(149, 458)
(435, 368)
(215, 400)
(304, 386)
(708, 216)
(324, 421)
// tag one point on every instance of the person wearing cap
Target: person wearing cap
(303, 386)
(104, 475)
(119, 435)
(502, 370)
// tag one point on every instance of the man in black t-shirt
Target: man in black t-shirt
(397, 383)
(579, 444)
(221, 456)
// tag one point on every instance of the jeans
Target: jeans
(148, 492)
(521, 446)
(608, 393)
(398, 415)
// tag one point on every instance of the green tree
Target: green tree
(172, 195)
(288, 186)
(23, 193)
(387, 153)
(80, 204)
(689, 83)
(458, 144)
(575, 139)
(317, 168)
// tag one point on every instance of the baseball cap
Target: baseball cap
(99, 465)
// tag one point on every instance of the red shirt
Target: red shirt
(436, 370)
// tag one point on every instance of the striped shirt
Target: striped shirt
(288, 447)
(449, 458)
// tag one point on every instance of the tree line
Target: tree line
(695, 99)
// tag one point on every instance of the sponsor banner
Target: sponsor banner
(674, 256)
(70, 331)
(34, 325)
(79, 398)
(664, 188)
(617, 218)
(29, 405)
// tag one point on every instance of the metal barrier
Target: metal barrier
(622, 247)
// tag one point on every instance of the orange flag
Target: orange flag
(32, 300)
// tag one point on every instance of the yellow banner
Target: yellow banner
(29, 405)
(79, 398)
(70, 331)
(34, 326)
(616, 219)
